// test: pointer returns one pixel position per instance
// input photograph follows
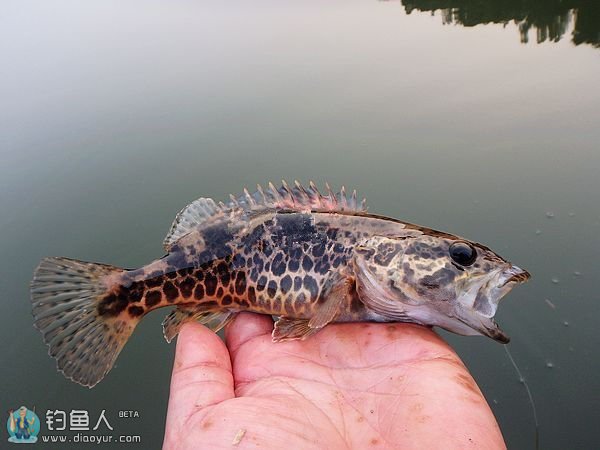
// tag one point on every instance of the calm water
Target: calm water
(474, 117)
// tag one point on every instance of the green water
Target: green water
(114, 115)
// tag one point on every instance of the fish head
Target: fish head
(438, 279)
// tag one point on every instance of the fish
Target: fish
(306, 257)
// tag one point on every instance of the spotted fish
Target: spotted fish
(292, 252)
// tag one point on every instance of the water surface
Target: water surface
(475, 117)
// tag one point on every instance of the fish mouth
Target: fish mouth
(515, 274)
(490, 328)
(481, 317)
(497, 334)
(503, 283)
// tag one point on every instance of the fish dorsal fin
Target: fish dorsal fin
(296, 197)
(189, 218)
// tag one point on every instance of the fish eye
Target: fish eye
(462, 253)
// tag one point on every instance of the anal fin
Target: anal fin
(215, 320)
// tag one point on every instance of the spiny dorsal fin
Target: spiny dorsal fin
(295, 197)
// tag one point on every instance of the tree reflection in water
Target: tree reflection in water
(549, 19)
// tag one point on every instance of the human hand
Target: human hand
(357, 386)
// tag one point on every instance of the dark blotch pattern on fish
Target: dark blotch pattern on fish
(294, 265)
(240, 283)
(292, 228)
(386, 251)
(286, 284)
(318, 250)
(262, 283)
(171, 292)
(210, 284)
(307, 263)
(217, 239)
(441, 277)
(272, 289)
(199, 292)
(135, 311)
(133, 293)
(311, 285)
(297, 283)
(186, 287)
(152, 298)
(112, 305)
(279, 266)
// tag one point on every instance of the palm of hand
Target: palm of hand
(348, 386)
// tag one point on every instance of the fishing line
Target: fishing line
(533, 409)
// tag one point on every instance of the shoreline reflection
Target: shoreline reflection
(548, 20)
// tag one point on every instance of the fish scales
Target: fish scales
(278, 267)
(293, 252)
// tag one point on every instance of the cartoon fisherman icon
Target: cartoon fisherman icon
(23, 425)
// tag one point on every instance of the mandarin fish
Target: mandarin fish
(292, 252)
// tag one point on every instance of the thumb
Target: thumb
(201, 377)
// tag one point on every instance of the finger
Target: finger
(245, 327)
(201, 376)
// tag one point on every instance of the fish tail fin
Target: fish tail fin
(67, 304)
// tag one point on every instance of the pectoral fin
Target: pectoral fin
(215, 320)
(375, 293)
(336, 290)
